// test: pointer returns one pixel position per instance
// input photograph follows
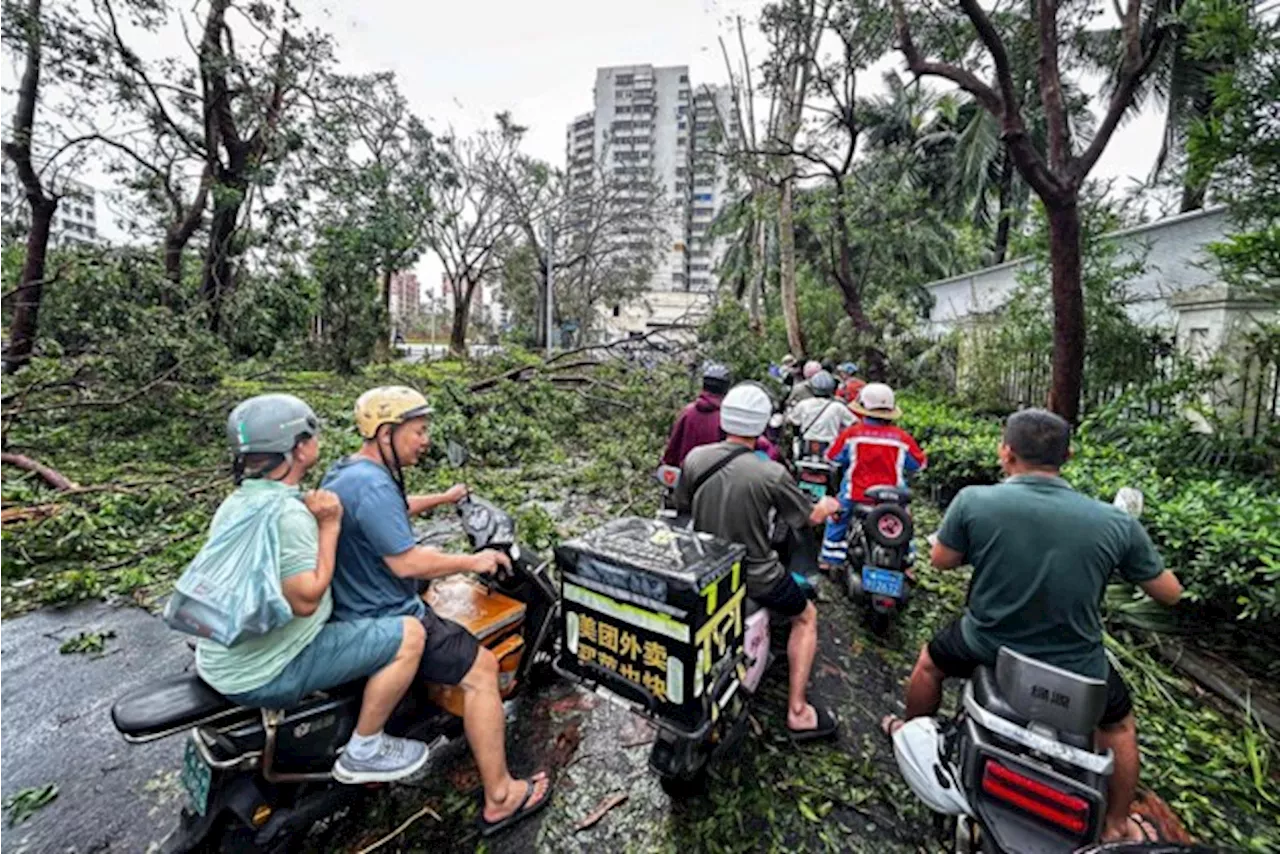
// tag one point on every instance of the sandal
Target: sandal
(489, 828)
(890, 724)
(827, 727)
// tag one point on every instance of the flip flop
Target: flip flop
(890, 724)
(489, 828)
(826, 728)
(1148, 830)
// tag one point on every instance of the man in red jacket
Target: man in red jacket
(699, 423)
(875, 452)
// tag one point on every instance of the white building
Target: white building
(649, 124)
(74, 223)
(1178, 289)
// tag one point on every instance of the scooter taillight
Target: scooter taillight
(1064, 811)
(885, 602)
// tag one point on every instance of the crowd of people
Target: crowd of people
(352, 571)
(1042, 554)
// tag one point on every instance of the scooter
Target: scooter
(875, 573)
(258, 779)
(1018, 762)
(656, 619)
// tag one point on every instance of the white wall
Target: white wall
(1175, 259)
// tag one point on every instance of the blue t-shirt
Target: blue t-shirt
(375, 523)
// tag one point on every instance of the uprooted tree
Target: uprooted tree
(1057, 174)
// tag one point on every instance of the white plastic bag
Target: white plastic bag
(231, 590)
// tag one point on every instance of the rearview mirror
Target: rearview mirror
(456, 453)
(1130, 500)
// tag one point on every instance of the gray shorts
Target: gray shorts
(342, 652)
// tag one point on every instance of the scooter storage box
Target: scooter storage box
(495, 619)
(654, 614)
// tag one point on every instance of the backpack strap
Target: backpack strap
(719, 464)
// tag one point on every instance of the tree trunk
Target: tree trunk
(461, 314)
(1068, 310)
(787, 252)
(173, 258)
(386, 290)
(217, 281)
(846, 279)
(1004, 224)
(759, 270)
(26, 302)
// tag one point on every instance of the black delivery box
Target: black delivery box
(654, 614)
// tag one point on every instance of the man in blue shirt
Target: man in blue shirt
(381, 567)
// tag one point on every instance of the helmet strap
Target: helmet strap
(393, 466)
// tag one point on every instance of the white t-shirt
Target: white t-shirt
(821, 418)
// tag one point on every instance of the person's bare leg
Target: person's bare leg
(801, 648)
(924, 691)
(485, 725)
(1122, 739)
(385, 688)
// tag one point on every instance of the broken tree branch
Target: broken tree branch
(49, 475)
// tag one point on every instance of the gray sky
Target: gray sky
(460, 63)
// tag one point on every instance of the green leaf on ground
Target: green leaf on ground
(28, 801)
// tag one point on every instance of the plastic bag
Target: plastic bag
(231, 590)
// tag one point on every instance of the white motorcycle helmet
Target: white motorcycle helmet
(917, 745)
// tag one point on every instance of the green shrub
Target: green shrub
(1218, 530)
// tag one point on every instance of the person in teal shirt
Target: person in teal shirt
(275, 440)
(1042, 555)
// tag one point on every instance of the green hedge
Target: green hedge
(1219, 530)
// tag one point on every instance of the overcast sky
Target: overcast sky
(459, 63)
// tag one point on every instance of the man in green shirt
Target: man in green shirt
(275, 440)
(1042, 555)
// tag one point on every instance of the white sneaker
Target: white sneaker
(395, 759)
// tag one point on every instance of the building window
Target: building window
(684, 78)
(682, 140)
(617, 310)
(621, 109)
(625, 79)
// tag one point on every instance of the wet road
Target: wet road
(57, 729)
(844, 796)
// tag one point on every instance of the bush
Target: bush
(1218, 529)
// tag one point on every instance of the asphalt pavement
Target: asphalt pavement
(56, 710)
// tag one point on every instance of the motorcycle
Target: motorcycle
(258, 779)
(875, 573)
(1019, 761)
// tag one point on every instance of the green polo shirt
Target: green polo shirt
(1042, 555)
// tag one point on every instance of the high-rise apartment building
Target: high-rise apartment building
(405, 296)
(74, 223)
(652, 124)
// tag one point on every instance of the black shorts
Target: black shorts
(955, 659)
(784, 598)
(450, 651)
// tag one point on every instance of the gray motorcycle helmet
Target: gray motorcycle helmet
(715, 378)
(822, 384)
(269, 424)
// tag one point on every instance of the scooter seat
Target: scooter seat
(890, 495)
(167, 705)
(987, 692)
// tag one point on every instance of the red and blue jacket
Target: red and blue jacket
(874, 453)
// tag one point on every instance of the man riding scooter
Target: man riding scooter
(1042, 555)
(380, 567)
(821, 418)
(875, 452)
(698, 423)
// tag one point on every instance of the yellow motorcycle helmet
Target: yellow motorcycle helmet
(390, 404)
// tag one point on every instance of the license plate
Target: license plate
(817, 490)
(882, 582)
(196, 778)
